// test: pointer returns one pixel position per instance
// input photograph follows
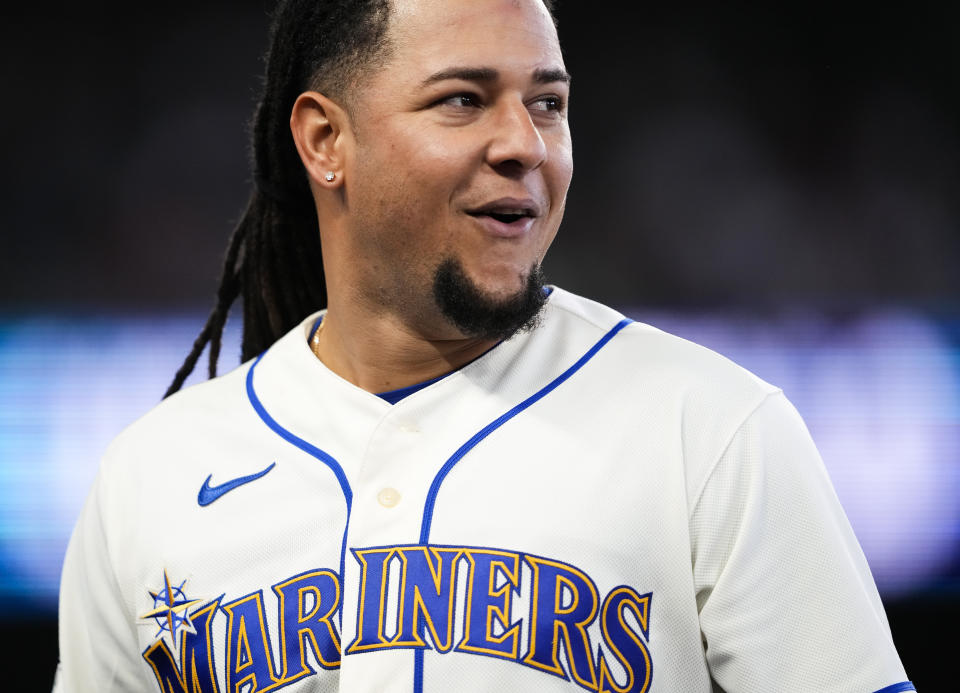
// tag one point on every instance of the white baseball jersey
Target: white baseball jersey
(594, 504)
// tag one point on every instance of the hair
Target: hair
(465, 305)
(273, 257)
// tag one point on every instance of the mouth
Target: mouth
(507, 217)
(508, 211)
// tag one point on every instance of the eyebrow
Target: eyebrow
(489, 74)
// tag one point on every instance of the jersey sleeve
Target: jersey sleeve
(785, 596)
(98, 643)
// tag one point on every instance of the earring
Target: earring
(330, 176)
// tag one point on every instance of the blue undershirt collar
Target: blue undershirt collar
(394, 396)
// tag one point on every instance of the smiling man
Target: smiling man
(432, 472)
(440, 183)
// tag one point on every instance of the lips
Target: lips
(507, 216)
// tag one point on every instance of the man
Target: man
(453, 478)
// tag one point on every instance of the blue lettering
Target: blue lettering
(563, 604)
(427, 589)
(248, 646)
(488, 605)
(302, 627)
(624, 643)
(373, 599)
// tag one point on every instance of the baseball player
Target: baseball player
(432, 472)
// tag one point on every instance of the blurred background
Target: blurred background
(780, 184)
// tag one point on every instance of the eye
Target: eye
(548, 103)
(461, 100)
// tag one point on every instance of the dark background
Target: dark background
(749, 159)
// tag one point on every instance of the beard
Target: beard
(479, 315)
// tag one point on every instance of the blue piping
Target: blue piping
(418, 671)
(499, 421)
(483, 433)
(897, 688)
(310, 450)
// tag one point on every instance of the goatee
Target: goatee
(476, 314)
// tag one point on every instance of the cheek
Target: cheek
(397, 209)
(421, 174)
(558, 177)
(561, 169)
(547, 240)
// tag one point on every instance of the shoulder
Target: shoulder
(664, 383)
(213, 419)
(645, 355)
(181, 422)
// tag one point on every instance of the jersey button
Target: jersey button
(388, 497)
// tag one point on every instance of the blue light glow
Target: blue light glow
(880, 393)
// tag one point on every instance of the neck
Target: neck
(379, 352)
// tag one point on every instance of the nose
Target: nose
(517, 147)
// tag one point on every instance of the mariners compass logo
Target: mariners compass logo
(170, 611)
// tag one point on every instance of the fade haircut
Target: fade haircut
(273, 257)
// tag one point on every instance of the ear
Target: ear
(319, 126)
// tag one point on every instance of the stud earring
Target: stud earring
(330, 176)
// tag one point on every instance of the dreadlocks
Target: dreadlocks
(273, 257)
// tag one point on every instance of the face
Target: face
(461, 155)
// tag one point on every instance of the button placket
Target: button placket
(388, 497)
(393, 475)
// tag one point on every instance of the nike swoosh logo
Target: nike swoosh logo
(209, 493)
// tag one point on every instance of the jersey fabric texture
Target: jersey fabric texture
(592, 504)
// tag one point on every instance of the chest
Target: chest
(538, 542)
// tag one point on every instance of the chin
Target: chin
(503, 290)
(485, 311)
